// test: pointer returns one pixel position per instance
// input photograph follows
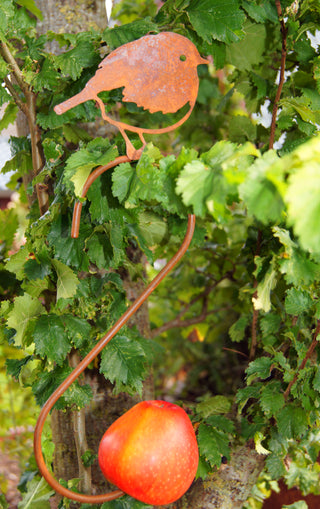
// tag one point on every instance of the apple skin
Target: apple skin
(150, 452)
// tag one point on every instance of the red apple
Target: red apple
(150, 452)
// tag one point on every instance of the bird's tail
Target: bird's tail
(82, 97)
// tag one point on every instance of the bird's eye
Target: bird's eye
(183, 58)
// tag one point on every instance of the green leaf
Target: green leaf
(292, 421)
(120, 35)
(213, 444)
(78, 329)
(152, 227)
(6, 13)
(303, 197)
(69, 251)
(237, 330)
(264, 288)
(79, 165)
(261, 189)
(272, 399)
(31, 6)
(301, 504)
(297, 301)
(47, 382)
(72, 62)
(275, 466)
(217, 19)
(258, 438)
(9, 116)
(37, 495)
(195, 184)
(25, 308)
(125, 502)
(100, 250)
(67, 280)
(51, 339)
(16, 263)
(295, 264)
(259, 368)
(248, 52)
(213, 406)
(123, 362)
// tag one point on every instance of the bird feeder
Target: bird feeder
(158, 73)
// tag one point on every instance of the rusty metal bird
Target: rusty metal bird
(158, 73)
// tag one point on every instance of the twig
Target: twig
(15, 69)
(305, 360)
(282, 70)
(255, 314)
(15, 95)
(80, 436)
(178, 322)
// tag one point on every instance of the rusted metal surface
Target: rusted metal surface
(158, 73)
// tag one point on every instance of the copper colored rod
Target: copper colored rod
(92, 177)
(98, 499)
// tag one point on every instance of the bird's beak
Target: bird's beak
(203, 61)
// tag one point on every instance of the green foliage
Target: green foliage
(236, 320)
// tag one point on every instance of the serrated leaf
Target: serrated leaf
(78, 329)
(16, 263)
(128, 32)
(24, 309)
(72, 62)
(297, 301)
(237, 330)
(47, 382)
(249, 51)
(51, 339)
(258, 438)
(275, 466)
(67, 280)
(152, 227)
(195, 185)
(217, 19)
(31, 6)
(9, 116)
(214, 405)
(261, 189)
(272, 399)
(259, 368)
(37, 495)
(213, 444)
(125, 502)
(303, 199)
(264, 288)
(14, 366)
(292, 421)
(123, 362)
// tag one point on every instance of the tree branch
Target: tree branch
(305, 360)
(15, 69)
(178, 322)
(15, 95)
(282, 70)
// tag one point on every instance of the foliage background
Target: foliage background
(235, 327)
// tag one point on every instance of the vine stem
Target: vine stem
(282, 77)
(305, 360)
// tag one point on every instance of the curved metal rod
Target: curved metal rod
(92, 177)
(98, 499)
